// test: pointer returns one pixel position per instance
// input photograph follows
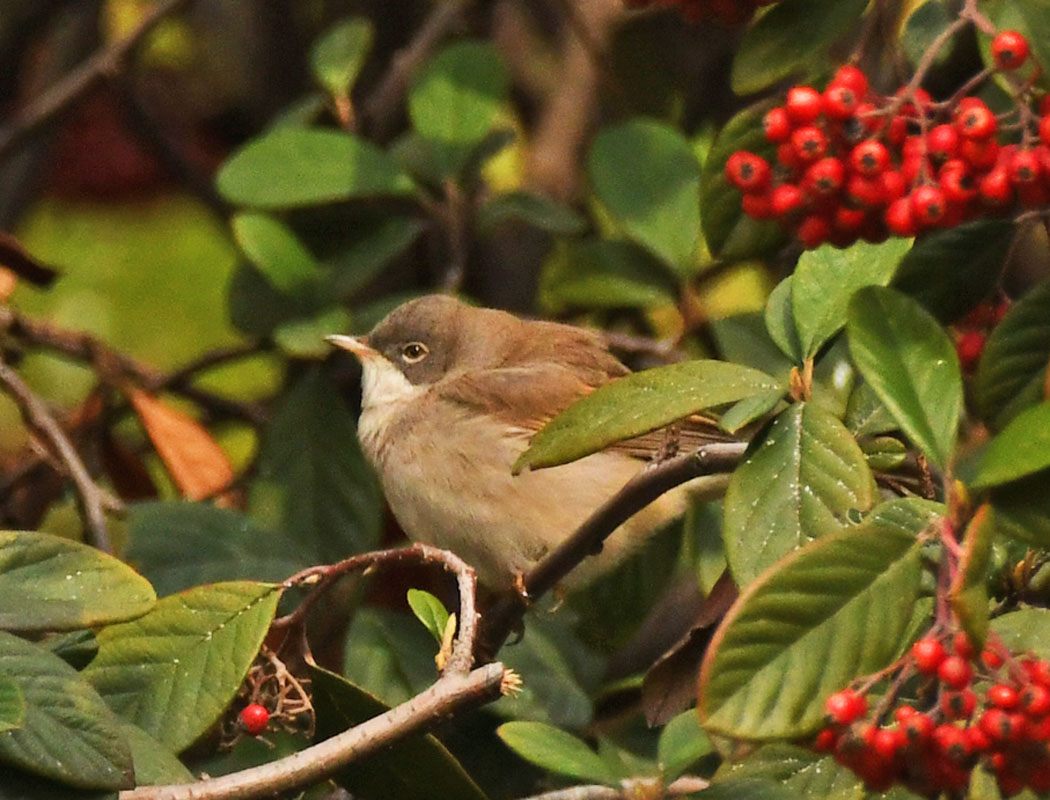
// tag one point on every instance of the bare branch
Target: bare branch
(60, 97)
(37, 416)
(637, 787)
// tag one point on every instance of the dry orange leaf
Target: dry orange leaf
(196, 463)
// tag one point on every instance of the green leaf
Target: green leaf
(827, 278)
(748, 789)
(388, 655)
(602, 273)
(884, 453)
(312, 477)
(430, 611)
(555, 750)
(771, 51)
(908, 515)
(1012, 373)
(647, 177)
(535, 209)
(801, 480)
(417, 767)
(337, 57)
(304, 338)
(174, 671)
(279, 255)
(749, 410)
(1036, 17)
(639, 403)
(910, 363)
(292, 167)
(780, 319)
(67, 733)
(178, 545)
(922, 27)
(730, 234)
(682, 743)
(949, 271)
(459, 93)
(374, 246)
(12, 704)
(835, 609)
(76, 648)
(155, 764)
(807, 774)
(866, 415)
(48, 583)
(969, 591)
(1024, 631)
(1022, 448)
(1021, 510)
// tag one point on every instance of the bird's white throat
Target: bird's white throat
(384, 392)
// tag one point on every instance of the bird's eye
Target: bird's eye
(414, 352)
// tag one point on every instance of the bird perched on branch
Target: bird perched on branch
(451, 396)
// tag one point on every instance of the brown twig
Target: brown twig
(37, 416)
(454, 692)
(632, 788)
(84, 347)
(64, 94)
(640, 491)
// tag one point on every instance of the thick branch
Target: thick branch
(453, 693)
(37, 416)
(639, 787)
(640, 491)
(66, 92)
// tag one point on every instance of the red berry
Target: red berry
(956, 181)
(870, 158)
(928, 205)
(969, 347)
(786, 155)
(786, 199)
(989, 657)
(840, 102)
(1044, 128)
(958, 705)
(804, 104)
(826, 740)
(1024, 167)
(824, 178)
(853, 77)
(955, 671)
(904, 713)
(928, 653)
(897, 131)
(1009, 49)
(961, 645)
(997, 725)
(809, 143)
(893, 185)
(845, 706)
(976, 121)
(848, 220)
(899, 217)
(777, 125)
(980, 153)
(942, 142)
(254, 718)
(865, 191)
(887, 742)
(1035, 700)
(977, 739)
(952, 743)
(747, 172)
(1002, 696)
(917, 728)
(1037, 670)
(813, 231)
(995, 187)
(1033, 194)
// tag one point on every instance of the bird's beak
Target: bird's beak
(353, 344)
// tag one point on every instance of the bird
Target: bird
(452, 395)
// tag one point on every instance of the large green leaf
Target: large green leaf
(12, 704)
(1013, 368)
(155, 764)
(647, 177)
(459, 93)
(968, 592)
(389, 654)
(375, 244)
(910, 363)
(292, 167)
(178, 545)
(537, 210)
(174, 671)
(1026, 630)
(826, 279)
(1036, 17)
(682, 743)
(67, 733)
(312, 479)
(555, 750)
(835, 609)
(48, 583)
(417, 767)
(276, 251)
(729, 233)
(780, 319)
(801, 480)
(949, 271)
(1021, 449)
(639, 403)
(810, 775)
(337, 57)
(1021, 509)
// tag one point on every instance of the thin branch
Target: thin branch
(452, 693)
(84, 347)
(37, 416)
(640, 491)
(64, 94)
(633, 788)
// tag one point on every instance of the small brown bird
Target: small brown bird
(451, 396)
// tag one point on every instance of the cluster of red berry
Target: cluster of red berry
(1005, 726)
(853, 165)
(971, 332)
(725, 12)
